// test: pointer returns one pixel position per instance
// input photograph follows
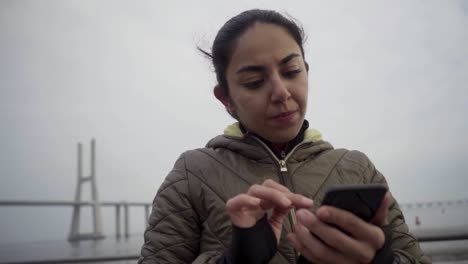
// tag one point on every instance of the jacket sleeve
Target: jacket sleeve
(173, 233)
(405, 246)
(252, 245)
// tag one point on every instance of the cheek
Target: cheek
(249, 106)
(301, 95)
(248, 103)
(304, 105)
(304, 98)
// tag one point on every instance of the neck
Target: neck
(281, 149)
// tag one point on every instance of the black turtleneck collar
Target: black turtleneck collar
(281, 151)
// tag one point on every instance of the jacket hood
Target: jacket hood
(252, 148)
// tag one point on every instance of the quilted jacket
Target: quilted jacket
(189, 224)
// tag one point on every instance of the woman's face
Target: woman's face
(268, 83)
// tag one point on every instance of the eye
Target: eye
(254, 84)
(292, 73)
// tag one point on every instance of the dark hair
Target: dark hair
(225, 41)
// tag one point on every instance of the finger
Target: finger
(277, 216)
(237, 203)
(277, 186)
(295, 242)
(336, 239)
(299, 247)
(314, 249)
(352, 224)
(297, 200)
(270, 195)
(380, 218)
(276, 221)
(244, 210)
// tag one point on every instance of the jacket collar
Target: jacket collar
(251, 147)
(280, 150)
(235, 131)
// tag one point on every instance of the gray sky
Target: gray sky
(388, 78)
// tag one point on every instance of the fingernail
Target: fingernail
(307, 200)
(301, 216)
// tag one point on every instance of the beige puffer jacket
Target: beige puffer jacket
(189, 224)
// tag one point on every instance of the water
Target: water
(60, 251)
(123, 251)
(447, 251)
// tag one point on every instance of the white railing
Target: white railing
(117, 205)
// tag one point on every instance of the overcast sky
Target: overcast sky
(388, 78)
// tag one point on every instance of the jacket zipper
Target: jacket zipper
(284, 169)
(292, 212)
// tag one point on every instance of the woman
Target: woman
(247, 196)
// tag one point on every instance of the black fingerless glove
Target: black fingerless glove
(385, 254)
(253, 245)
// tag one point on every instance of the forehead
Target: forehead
(262, 44)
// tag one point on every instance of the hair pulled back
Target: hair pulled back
(226, 39)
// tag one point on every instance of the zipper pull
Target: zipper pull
(283, 167)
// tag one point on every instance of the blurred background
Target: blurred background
(388, 78)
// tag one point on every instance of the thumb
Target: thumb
(380, 218)
(276, 221)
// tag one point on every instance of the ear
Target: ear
(223, 99)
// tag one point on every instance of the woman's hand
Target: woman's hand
(246, 209)
(320, 237)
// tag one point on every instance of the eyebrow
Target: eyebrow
(258, 68)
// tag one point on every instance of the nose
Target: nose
(280, 92)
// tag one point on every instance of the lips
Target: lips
(284, 118)
(283, 115)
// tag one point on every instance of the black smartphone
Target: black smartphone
(362, 200)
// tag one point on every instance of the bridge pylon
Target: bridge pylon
(96, 234)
